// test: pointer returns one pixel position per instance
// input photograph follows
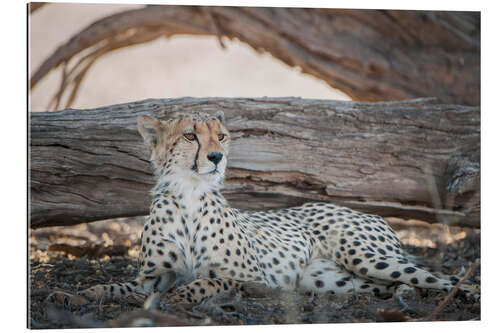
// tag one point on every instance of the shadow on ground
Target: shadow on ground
(75, 258)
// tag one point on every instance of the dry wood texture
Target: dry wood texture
(416, 159)
(371, 55)
(34, 6)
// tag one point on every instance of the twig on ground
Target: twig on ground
(453, 291)
(401, 302)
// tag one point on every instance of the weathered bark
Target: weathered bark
(371, 55)
(411, 159)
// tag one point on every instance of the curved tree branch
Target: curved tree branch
(34, 6)
(371, 55)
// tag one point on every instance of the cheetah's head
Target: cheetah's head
(190, 148)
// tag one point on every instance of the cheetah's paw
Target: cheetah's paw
(404, 290)
(62, 297)
(223, 305)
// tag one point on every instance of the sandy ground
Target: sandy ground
(166, 68)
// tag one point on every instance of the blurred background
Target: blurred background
(165, 68)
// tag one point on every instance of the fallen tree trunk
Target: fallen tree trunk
(410, 159)
(371, 55)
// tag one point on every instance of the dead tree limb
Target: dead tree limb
(89, 165)
(371, 55)
(34, 6)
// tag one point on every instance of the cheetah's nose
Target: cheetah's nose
(214, 157)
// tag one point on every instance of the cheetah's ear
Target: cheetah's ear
(220, 115)
(149, 128)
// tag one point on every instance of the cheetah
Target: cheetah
(194, 245)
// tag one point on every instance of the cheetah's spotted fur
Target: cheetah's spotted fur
(194, 242)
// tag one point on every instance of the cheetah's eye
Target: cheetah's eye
(221, 137)
(190, 136)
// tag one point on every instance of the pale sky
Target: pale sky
(165, 68)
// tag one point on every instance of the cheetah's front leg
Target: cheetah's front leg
(141, 287)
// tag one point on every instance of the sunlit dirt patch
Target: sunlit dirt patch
(423, 234)
(120, 237)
